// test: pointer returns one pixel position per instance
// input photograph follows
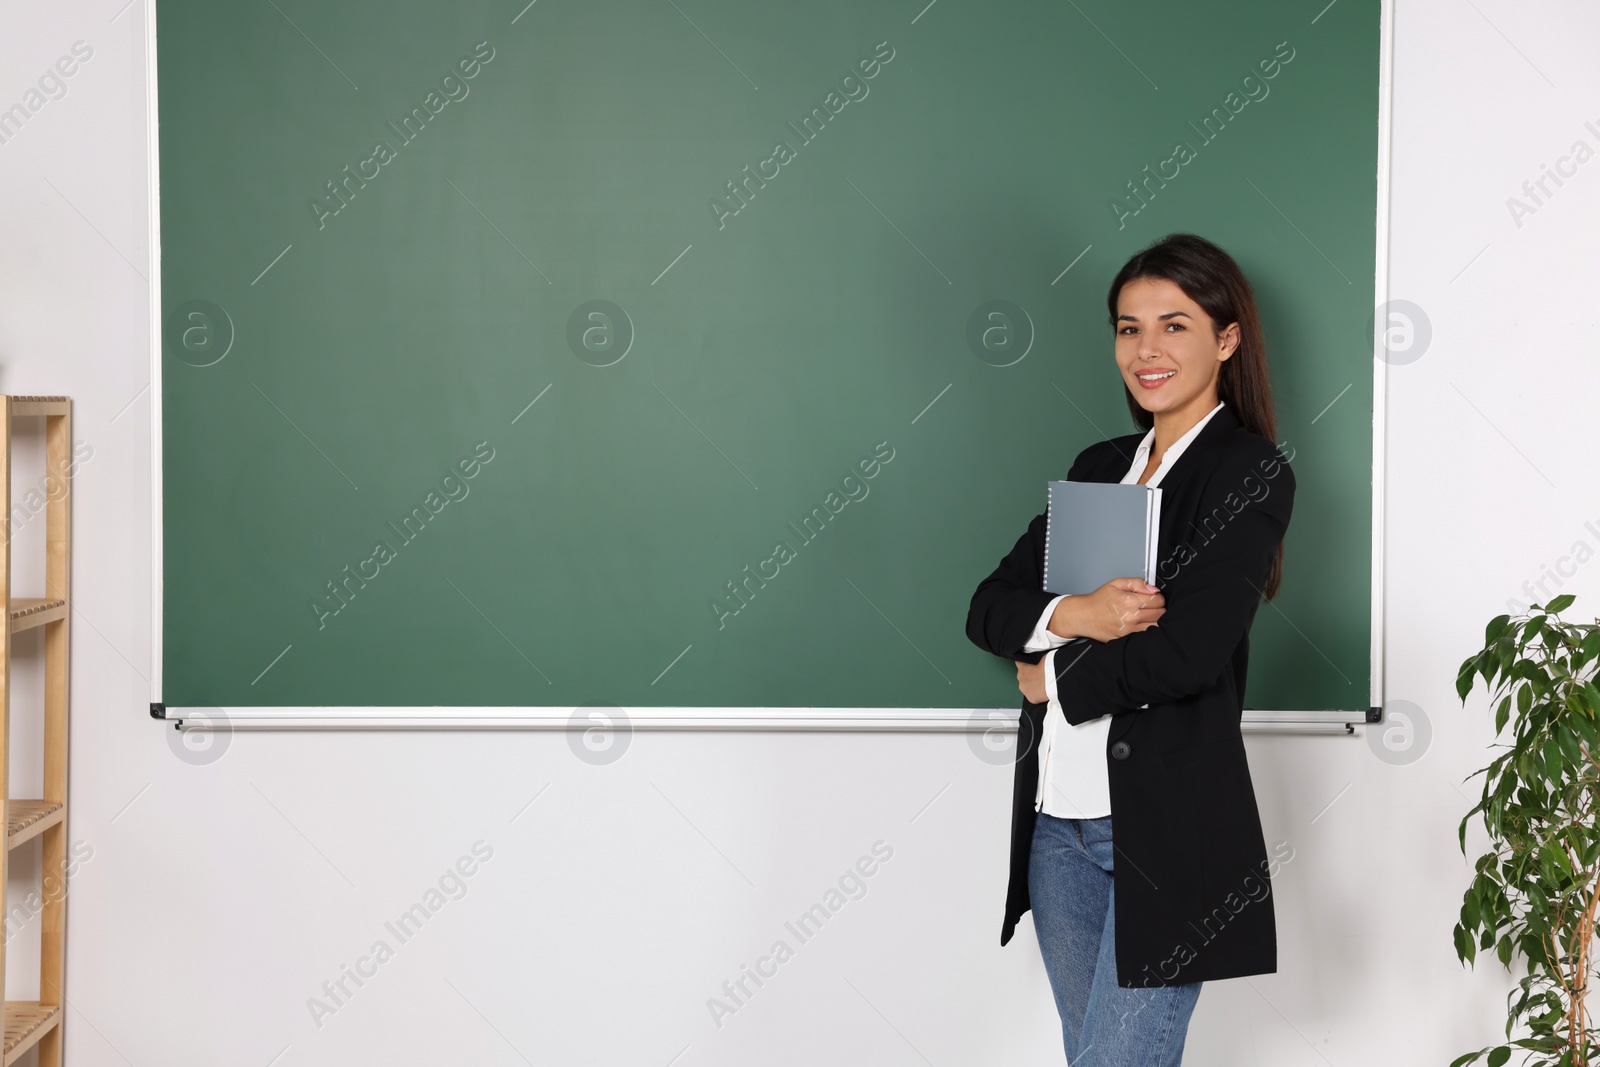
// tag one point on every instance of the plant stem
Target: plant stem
(1577, 1011)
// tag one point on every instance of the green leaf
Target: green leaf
(1481, 662)
(1499, 1056)
(1503, 655)
(1560, 603)
(1555, 764)
(1554, 860)
(1466, 948)
(1471, 1057)
(1569, 747)
(1584, 724)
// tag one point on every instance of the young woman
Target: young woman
(1133, 693)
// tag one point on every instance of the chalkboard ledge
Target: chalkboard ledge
(605, 717)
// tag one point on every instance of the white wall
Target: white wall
(220, 897)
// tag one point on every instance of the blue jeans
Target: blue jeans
(1103, 1024)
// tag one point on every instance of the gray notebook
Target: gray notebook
(1097, 531)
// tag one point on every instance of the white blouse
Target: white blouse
(1072, 757)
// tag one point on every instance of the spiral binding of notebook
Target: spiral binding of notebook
(1049, 513)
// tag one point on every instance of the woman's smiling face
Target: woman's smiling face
(1168, 349)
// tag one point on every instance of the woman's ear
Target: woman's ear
(1229, 340)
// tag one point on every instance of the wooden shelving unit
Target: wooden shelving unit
(39, 1022)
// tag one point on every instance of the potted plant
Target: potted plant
(1535, 891)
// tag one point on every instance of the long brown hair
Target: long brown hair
(1210, 277)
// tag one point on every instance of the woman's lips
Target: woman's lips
(1157, 383)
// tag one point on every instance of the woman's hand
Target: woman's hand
(1030, 679)
(1120, 607)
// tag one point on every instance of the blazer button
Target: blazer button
(1121, 749)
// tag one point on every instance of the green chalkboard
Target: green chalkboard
(499, 341)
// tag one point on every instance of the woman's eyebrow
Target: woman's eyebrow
(1168, 315)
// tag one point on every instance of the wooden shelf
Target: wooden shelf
(27, 819)
(39, 405)
(31, 1024)
(30, 611)
(26, 1022)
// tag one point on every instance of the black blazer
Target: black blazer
(1193, 879)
